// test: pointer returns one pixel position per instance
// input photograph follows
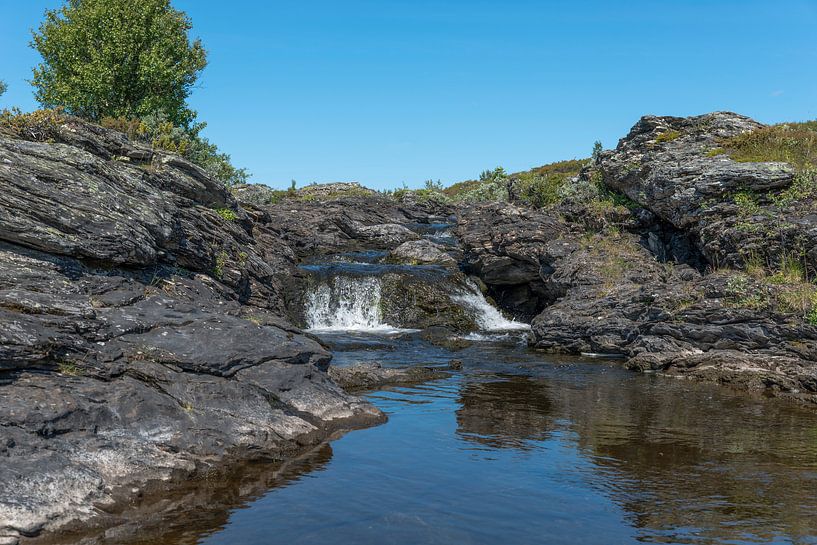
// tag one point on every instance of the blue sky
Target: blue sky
(391, 92)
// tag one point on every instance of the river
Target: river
(522, 447)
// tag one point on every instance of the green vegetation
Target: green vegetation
(128, 66)
(803, 187)
(156, 130)
(668, 136)
(227, 213)
(39, 126)
(784, 288)
(3, 87)
(793, 143)
(595, 157)
(747, 204)
(69, 369)
(548, 184)
(117, 58)
(221, 261)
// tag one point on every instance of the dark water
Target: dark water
(525, 448)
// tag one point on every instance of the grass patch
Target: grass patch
(668, 136)
(785, 289)
(793, 143)
(69, 369)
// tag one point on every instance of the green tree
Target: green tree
(3, 87)
(117, 58)
(596, 155)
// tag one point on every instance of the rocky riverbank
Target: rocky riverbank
(144, 335)
(692, 264)
(152, 320)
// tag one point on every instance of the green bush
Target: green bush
(117, 58)
(158, 131)
(227, 213)
(545, 185)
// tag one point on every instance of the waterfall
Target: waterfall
(345, 304)
(488, 317)
(348, 302)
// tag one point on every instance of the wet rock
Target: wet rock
(368, 376)
(444, 338)
(511, 249)
(425, 301)
(421, 251)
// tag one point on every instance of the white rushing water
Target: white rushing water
(347, 304)
(488, 317)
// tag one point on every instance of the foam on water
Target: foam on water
(347, 304)
(488, 317)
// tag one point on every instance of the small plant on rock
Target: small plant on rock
(227, 213)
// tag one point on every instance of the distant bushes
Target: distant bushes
(547, 184)
(539, 187)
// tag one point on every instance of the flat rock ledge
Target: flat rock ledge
(370, 376)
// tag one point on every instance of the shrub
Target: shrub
(156, 130)
(595, 157)
(117, 58)
(227, 213)
(38, 126)
(221, 261)
(544, 185)
(803, 187)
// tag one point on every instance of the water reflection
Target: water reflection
(507, 412)
(689, 463)
(521, 448)
(200, 508)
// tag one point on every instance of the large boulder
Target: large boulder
(666, 165)
(675, 167)
(347, 222)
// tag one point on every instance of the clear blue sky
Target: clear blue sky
(386, 92)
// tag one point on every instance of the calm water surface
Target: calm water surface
(525, 448)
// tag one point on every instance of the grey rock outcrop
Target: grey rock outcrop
(422, 251)
(660, 284)
(674, 168)
(347, 223)
(143, 330)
